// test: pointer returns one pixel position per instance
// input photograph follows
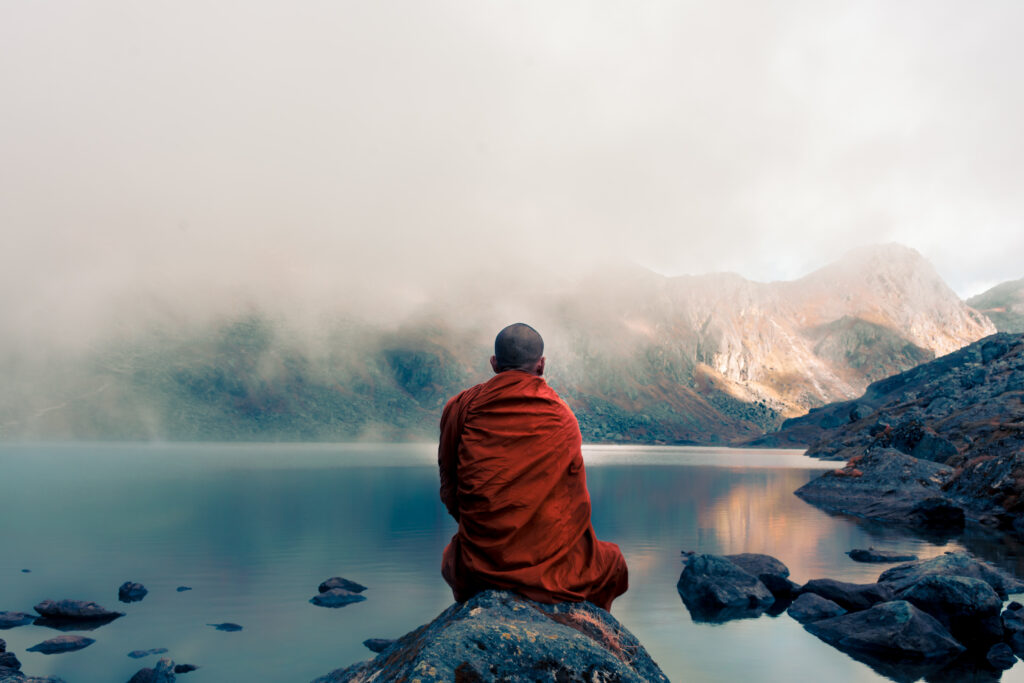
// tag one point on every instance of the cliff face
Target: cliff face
(640, 357)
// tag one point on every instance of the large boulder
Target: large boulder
(950, 564)
(968, 608)
(890, 486)
(889, 630)
(852, 597)
(498, 635)
(715, 589)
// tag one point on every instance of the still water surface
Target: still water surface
(253, 529)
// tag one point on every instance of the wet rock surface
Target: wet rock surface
(951, 564)
(378, 645)
(880, 556)
(336, 597)
(343, 583)
(893, 629)
(850, 596)
(62, 644)
(14, 619)
(163, 672)
(131, 592)
(715, 589)
(812, 607)
(498, 635)
(75, 610)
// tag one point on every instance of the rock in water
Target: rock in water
(812, 607)
(715, 589)
(769, 570)
(163, 672)
(968, 608)
(889, 630)
(951, 564)
(62, 644)
(131, 592)
(75, 610)
(9, 661)
(378, 645)
(336, 597)
(339, 582)
(226, 626)
(872, 555)
(139, 654)
(498, 635)
(852, 597)
(12, 619)
(1001, 656)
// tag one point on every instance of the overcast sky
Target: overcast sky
(205, 145)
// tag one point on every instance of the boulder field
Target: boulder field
(943, 614)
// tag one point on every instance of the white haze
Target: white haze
(358, 155)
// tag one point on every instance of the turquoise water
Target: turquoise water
(253, 529)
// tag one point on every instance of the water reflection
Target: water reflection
(255, 529)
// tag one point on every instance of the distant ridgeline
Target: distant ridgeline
(641, 358)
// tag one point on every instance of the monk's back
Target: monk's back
(512, 474)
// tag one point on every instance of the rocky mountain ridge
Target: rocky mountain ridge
(711, 359)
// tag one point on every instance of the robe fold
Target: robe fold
(512, 476)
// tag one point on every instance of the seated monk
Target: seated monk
(512, 476)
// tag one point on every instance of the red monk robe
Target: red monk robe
(512, 476)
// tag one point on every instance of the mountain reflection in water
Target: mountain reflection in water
(253, 529)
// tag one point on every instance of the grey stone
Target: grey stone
(498, 635)
(951, 564)
(888, 630)
(131, 592)
(812, 607)
(62, 644)
(336, 597)
(163, 672)
(1001, 656)
(75, 610)
(968, 608)
(715, 589)
(12, 619)
(378, 644)
(339, 582)
(872, 555)
(226, 626)
(139, 654)
(852, 597)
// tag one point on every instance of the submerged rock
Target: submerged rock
(336, 597)
(872, 555)
(227, 626)
(139, 654)
(889, 630)
(163, 672)
(131, 592)
(812, 607)
(498, 635)
(184, 668)
(715, 589)
(339, 582)
(13, 619)
(62, 644)
(182, 589)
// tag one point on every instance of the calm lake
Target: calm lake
(253, 529)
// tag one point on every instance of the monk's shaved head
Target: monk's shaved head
(518, 347)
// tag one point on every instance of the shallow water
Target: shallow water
(253, 529)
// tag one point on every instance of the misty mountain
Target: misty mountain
(640, 357)
(1003, 304)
